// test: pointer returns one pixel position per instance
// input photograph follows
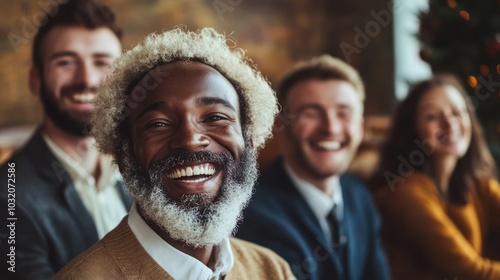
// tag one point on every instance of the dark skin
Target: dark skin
(192, 108)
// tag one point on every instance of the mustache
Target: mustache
(184, 158)
(77, 88)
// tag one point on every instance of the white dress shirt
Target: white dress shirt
(178, 264)
(320, 203)
(102, 198)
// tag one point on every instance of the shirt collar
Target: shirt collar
(320, 202)
(178, 264)
(109, 174)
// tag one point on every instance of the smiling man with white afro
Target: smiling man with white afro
(181, 227)
(258, 101)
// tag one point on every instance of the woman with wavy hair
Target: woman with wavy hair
(436, 188)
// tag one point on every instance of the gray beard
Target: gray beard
(193, 221)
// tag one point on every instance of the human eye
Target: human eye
(432, 116)
(105, 63)
(310, 113)
(462, 111)
(64, 62)
(344, 114)
(156, 124)
(457, 113)
(215, 118)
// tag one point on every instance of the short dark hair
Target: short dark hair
(90, 14)
(321, 68)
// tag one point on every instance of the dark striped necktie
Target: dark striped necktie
(339, 238)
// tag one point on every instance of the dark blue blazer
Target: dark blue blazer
(53, 226)
(279, 218)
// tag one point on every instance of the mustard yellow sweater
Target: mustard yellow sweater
(119, 255)
(428, 238)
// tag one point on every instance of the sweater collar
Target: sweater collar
(178, 264)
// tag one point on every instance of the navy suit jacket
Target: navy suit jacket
(279, 218)
(53, 225)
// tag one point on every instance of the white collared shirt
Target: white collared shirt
(178, 264)
(102, 200)
(320, 203)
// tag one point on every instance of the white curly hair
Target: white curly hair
(206, 45)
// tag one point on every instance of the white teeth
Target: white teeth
(84, 97)
(329, 145)
(450, 138)
(202, 169)
(195, 180)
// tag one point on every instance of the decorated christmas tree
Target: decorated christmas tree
(463, 37)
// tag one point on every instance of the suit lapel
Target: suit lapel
(52, 171)
(81, 215)
(277, 177)
(350, 217)
(351, 240)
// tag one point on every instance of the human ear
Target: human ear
(34, 81)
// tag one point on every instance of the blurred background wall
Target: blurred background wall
(276, 34)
